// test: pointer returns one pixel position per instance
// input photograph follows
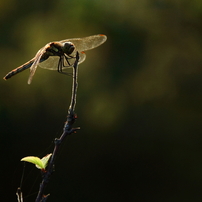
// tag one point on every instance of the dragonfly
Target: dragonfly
(59, 55)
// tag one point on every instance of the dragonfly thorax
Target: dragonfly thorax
(59, 49)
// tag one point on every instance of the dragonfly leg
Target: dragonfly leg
(61, 65)
(67, 60)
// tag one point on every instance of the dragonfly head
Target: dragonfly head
(68, 47)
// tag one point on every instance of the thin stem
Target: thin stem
(67, 130)
(19, 195)
(74, 86)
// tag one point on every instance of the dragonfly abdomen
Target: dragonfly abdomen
(19, 69)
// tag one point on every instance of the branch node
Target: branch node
(73, 130)
(57, 141)
(45, 197)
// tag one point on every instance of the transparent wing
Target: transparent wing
(87, 43)
(37, 59)
(52, 62)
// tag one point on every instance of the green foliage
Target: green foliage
(39, 163)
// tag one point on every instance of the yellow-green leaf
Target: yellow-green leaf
(45, 160)
(35, 160)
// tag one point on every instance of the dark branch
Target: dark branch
(67, 130)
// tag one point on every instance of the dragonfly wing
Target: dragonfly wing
(82, 57)
(81, 44)
(87, 43)
(35, 64)
(52, 62)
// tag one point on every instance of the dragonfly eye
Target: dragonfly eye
(68, 47)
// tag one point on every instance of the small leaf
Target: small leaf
(45, 160)
(35, 160)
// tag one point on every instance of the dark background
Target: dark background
(139, 101)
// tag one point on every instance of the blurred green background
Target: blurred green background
(139, 100)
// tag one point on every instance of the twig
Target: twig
(67, 130)
(19, 195)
